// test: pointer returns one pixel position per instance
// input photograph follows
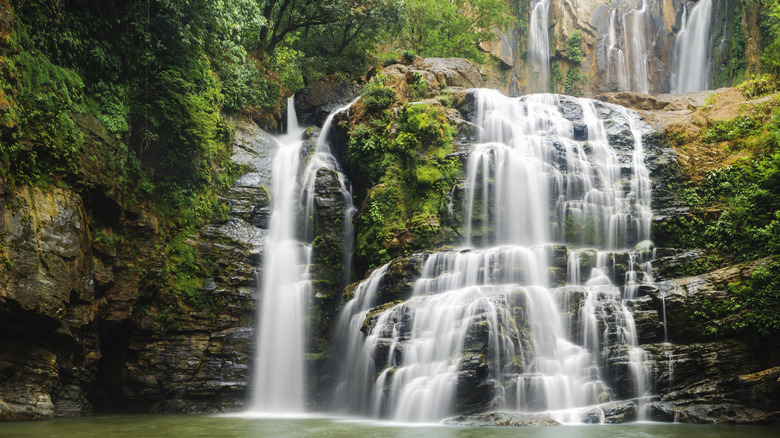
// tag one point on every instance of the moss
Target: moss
(413, 174)
(374, 313)
(40, 97)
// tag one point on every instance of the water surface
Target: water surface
(121, 426)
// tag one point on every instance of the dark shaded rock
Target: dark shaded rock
(252, 204)
(721, 413)
(580, 131)
(47, 314)
(502, 419)
(619, 133)
(475, 392)
(569, 108)
(314, 102)
(400, 277)
(679, 298)
(611, 413)
(716, 374)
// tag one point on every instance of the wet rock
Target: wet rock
(611, 413)
(679, 298)
(254, 148)
(475, 391)
(47, 293)
(619, 133)
(252, 204)
(314, 102)
(697, 377)
(720, 413)
(494, 419)
(400, 277)
(569, 108)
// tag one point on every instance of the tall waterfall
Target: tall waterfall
(531, 314)
(628, 47)
(539, 47)
(278, 377)
(692, 55)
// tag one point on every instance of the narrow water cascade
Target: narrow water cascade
(617, 71)
(532, 314)
(692, 56)
(628, 47)
(539, 46)
(285, 287)
(278, 384)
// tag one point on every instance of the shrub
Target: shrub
(376, 95)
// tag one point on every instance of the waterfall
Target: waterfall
(617, 72)
(531, 315)
(628, 47)
(637, 29)
(279, 372)
(692, 54)
(539, 47)
(278, 384)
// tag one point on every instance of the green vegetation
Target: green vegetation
(573, 52)
(43, 139)
(451, 28)
(734, 69)
(418, 87)
(410, 174)
(752, 310)
(770, 33)
(737, 42)
(759, 86)
(377, 96)
(747, 193)
(572, 83)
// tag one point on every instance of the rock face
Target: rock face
(47, 304)
(439, 73)
(652, 32)
(84, 325)
(316, 101)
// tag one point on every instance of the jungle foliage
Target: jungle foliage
(409, 170)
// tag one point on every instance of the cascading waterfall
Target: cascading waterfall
(278, 377)
(692, 54)
(543, 185)
(539, 46)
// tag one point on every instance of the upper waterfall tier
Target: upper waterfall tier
(539, 46)
(554, 168)
(692, 52)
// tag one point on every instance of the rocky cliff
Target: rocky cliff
(86, 322)
(627, 35)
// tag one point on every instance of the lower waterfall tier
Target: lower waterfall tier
(482, 330)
